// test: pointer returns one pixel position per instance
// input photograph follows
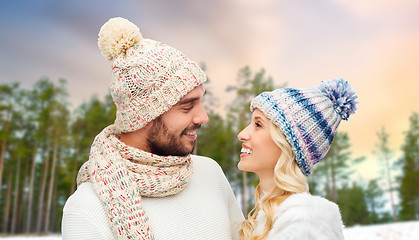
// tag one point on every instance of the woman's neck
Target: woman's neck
(266, 183)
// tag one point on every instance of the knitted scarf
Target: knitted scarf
(121, 175)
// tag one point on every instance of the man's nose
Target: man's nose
(201, 116)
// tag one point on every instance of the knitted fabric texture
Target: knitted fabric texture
(149, 77)
(308, 117)
(122, 174)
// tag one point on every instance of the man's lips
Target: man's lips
(191, 136)
(191, 133)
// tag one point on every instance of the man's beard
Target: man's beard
(164, 143)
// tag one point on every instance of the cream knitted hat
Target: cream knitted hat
(308, 117)
(149, 77)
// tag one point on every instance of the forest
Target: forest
(44, 142)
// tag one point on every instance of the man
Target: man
(140, 181)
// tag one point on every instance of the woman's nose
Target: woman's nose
(243, 135)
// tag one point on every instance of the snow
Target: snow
(33, 237)
(391, 231)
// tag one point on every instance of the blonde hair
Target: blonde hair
(288, 179)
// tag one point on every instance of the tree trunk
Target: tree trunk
(23, 206)
(390, 184)
(31, 190)
(327, 187)
(3, 148)
(373, 209)
(51, 184)
(40, 217)
(332, 173)
(6, 220)
(74, 172)
(14, 222)
(55, 209)
(75, 168)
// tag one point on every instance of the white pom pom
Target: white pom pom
(342, 95)
(116, 36)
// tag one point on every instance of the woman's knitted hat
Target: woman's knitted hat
(308, 117)
(149, 77)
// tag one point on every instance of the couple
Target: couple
(142, 183)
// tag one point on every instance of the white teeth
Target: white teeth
(191, 133)
(246, 150)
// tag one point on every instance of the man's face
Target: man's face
(174, 133)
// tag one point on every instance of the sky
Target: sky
(373, 44)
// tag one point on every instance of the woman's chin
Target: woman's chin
(243, 166)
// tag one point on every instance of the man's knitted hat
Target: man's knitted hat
(308, 117)
(149, 77)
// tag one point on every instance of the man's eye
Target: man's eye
(188, 108)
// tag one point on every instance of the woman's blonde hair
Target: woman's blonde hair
(288, 180)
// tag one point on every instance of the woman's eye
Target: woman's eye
(258, 124)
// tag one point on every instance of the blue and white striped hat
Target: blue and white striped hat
(308, 117)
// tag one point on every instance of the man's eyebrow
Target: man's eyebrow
(188, 100)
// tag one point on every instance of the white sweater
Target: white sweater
(304, 217)
(205, 209)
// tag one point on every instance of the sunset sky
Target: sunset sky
(373, 44)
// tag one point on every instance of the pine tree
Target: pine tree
(374, 199)
(353, 205)
(11, 132)
(60, 122)
(7, 104)
(385, 154)
(335, 168)
(19, 149)
(409, 180)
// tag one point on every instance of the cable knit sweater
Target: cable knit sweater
(205, 209)
(304, 217)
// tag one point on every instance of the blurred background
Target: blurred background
(54, 96)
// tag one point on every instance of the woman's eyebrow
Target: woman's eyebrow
(258, 118)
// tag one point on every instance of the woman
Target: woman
(291, 130)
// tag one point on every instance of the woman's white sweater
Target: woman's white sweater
(205, 209)
(304, 217)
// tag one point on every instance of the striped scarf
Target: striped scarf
(121, 175)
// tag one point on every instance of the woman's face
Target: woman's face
(259, 151)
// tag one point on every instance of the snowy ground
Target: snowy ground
(19, 237)
(395, 231)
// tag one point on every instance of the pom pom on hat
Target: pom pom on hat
(342, 95)
(116, 36)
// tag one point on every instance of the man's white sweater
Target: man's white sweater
(205, 209)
